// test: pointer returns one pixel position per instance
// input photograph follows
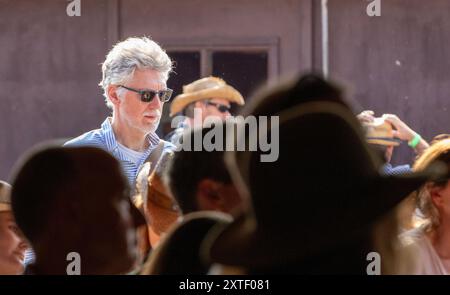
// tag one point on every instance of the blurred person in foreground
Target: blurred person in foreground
(431, 219)
(75, 200)
(323, 207)
(12, 241)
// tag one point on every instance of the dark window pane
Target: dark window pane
(245, 71)
(187, 69)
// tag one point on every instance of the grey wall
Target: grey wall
(48, 73)
(396, 63)
(49, 62)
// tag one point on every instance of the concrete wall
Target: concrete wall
(398, 62)
(48, 73)
(49, 62)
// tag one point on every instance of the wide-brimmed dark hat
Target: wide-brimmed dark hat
(322, 192)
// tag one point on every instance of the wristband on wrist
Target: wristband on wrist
(415, 141)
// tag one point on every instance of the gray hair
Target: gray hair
(127, 56)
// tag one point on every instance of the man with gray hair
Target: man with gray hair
(135, 73)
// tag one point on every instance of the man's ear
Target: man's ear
(207, 195)
(112, 94)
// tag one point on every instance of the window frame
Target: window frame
(206, 47)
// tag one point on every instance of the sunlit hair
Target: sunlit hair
(439, 137)
(438, 152)
(127, 56)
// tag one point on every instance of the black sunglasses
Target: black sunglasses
(222, 108)
(148, 95)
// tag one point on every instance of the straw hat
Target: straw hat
(5, 196)
(209, 87)
(380, 132)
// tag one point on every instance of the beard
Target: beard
(153, 117)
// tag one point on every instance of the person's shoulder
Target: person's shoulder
(90, 138)
(396, 170)
(404, 167)
(168, 146)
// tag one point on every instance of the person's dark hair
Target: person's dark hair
(50, 174)
(36, 187)
(188, 168)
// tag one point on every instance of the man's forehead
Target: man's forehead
(153, 84)
(149, 75)
(157, 81)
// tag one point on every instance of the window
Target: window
(245, 65)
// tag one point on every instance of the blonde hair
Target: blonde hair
(437, 152)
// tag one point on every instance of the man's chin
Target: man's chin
(150, 127)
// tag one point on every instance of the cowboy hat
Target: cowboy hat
(323, 191)
(380, 132)
(209, 87)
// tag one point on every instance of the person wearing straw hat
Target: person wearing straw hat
(12, 243)
(387, 132)
(203, 98)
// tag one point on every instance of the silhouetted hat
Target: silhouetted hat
(322, 192)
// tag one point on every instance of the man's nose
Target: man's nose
(155, 102)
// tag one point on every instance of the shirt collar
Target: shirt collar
(111, 142)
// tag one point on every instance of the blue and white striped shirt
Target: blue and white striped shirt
(104, 138)
(388, 169)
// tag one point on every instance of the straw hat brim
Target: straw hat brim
(5, 207)
(225, 92)
(384, 141)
